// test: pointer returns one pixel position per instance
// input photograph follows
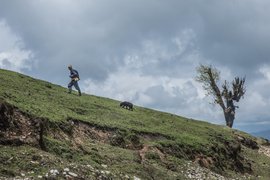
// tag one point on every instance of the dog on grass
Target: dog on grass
(127, 105)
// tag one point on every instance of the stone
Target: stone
(136, 178)
(104, 166)
(66, 169)
(72, 174)
(54, 172)
(126, 176)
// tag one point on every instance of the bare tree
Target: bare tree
(209, 77)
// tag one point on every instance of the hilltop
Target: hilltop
(46, 132)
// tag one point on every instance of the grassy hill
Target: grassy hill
(46, 132)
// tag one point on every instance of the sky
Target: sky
(145, 52)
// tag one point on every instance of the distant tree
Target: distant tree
(209, 77)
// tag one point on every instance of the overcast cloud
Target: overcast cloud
(145, 51)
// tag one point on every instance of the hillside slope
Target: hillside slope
(46, 132)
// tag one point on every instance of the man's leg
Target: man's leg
(70, 86)
(76, 85)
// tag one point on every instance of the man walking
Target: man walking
(74, 75)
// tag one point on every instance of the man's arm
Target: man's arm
(74, 74)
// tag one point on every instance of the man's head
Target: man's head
(69, 67)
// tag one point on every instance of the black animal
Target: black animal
(126, 105)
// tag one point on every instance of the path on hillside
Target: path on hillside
(265, 150)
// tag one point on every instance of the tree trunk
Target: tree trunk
(229, 117)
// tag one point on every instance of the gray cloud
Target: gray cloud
(119, 46)
(13, 55)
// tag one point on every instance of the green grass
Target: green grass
(18, 160)
(43, 99)
(260, 163)
(52, 102)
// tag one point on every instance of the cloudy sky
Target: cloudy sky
(145, 51)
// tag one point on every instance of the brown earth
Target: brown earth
(265, 150)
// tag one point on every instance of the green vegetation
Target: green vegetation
(42, 99)
(124, 135)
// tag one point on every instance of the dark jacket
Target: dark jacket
(74, 74)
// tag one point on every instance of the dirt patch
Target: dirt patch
(265, 150)
(16, 128)
(204, 161)
(151, 152)
(142, 153)
(249, 143)
(218, 158)
(154, 136)
(85, 132)
(229, 156)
